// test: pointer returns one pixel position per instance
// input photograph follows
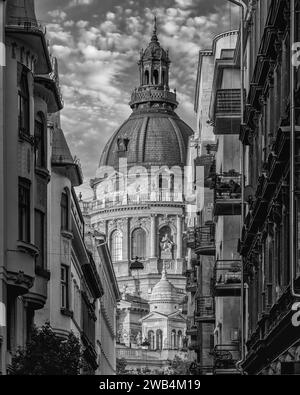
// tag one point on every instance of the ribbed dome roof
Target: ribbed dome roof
(164, 291)
(154, 138)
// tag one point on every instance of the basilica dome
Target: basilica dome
(154, 138)
(153, 135)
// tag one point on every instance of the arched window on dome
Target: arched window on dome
(116, 246)
(155, 77)
(173, 339)
(138, 244)
(179, 340)
(146, 77)
(159, 339)
(151, 339)
(164, 78)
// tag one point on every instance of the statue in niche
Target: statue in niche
(122, 144)
(166, 247)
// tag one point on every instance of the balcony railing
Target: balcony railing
(226, 356)
(228, 193)
(122, 199)
(192, 329)
(191, 283)
(205, 240)
(227, 275)
(205, 309)
(154, 94)
(228, 112)
(228, 102)
(26, 24)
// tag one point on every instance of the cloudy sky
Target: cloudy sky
(97, 43)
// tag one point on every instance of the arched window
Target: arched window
(155, 77)
(179, 340)
(23, 104)
(39, 138)
(163, 77)
(146, 77)
(159, 339)
(116, 246)
(64, 209)
(151, 339)
(173, 339)
(138, 246)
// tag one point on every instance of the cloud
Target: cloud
(98, 49)
(76, 3)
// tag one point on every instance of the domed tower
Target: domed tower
(138, 189)
(164, 326)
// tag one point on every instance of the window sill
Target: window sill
(67, 234)
(66, 312)
(28, 248)
(42, 172)
(24, 136)
(39, 271)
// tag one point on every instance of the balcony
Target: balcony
(205, 240)
(225, 358)
(62, 160)
(152, 94)
(228, 112)
(192, 283)
(228, 194)
(227, 278)
(205, 309)
(50, 86)
(192, 329)
(32, 32)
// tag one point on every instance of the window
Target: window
(64, 206)
(116, 246)
(173, 339)
(39, 136)
(151, 339)
(138, 248)
(159, 339)
(24, 210)
(39, 230)
(155, 77)
(179, 340)
(146, 77)
(64, 281)
(23, 104)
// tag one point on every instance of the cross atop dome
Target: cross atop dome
(154, 35)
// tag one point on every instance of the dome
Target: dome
(153, 138)
(164, 291)
(153, 135)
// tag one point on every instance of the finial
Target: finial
(154, 35)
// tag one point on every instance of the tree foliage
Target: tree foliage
(179, 366)
(121, 366)
(47, 353)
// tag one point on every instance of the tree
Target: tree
(179, 366)
(47, 353)
(121, 366)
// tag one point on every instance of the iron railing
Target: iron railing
(228, 102)
(226, 355)
(227, 272)
(205, 308)
(205, 238)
